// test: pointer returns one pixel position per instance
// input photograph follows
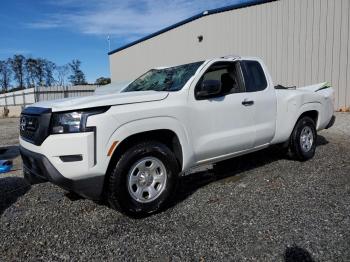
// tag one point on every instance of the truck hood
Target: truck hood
(77, 103)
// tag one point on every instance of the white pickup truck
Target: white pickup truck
(131, 146)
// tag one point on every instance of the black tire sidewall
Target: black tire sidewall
(296, 145)
(119, 195)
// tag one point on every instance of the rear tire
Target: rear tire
(144, 179)
(302, 144)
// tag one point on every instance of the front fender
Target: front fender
(150, 124)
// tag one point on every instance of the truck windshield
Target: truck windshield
(167, 79)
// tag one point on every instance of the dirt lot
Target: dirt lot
(9, 131)
(263, 208)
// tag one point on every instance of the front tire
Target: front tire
(303, 139)
(144, 179)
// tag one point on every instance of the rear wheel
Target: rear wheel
(303, 139)
(144, 179)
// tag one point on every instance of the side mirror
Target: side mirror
(209, 88)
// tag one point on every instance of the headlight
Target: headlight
(73, 122)
(66, 123)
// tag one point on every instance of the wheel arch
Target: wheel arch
(165, 136)
(166, 130)
(313, 114)
(289, 117)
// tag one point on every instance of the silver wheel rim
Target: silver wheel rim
(147, 179)
(306, 139)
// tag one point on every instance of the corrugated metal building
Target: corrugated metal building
(301, 41)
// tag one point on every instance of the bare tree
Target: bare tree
(40, 71)
(31, 72)
(49, 68)
(62, 73)
(18, 67)
(5, 74)
(77, 77)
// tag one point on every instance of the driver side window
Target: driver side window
(227, 74)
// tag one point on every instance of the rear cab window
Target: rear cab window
(254, 76)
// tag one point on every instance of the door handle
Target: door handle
(247, 102)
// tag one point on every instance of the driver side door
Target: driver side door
(221, 125)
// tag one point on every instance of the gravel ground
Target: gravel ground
(263, 208)
(8, 131)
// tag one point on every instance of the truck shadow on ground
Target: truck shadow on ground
(232, 170)
(11, 188)
(297, 254)
(9, 152)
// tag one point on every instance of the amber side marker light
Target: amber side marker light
(111, 149)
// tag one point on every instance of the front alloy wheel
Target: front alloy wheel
(147, 179)
(144, 179)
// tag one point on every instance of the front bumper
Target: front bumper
(37, 169)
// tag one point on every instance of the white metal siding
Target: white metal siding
(302, 42)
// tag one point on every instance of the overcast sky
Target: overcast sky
(61, 30)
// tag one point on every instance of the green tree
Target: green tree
(77, 77)
(102, 81)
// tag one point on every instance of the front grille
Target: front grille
(34, 124)
(28, 126)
